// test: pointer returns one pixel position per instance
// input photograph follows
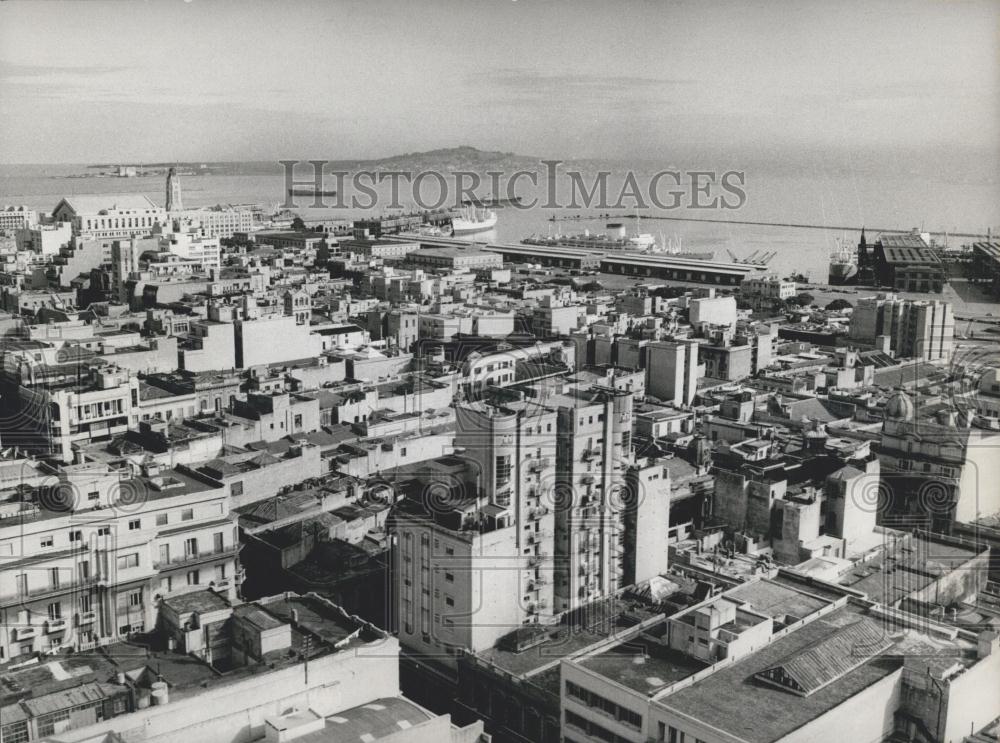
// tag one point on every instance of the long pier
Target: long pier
(835, 228)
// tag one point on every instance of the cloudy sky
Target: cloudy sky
(96, 80)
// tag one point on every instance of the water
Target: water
(899, 203)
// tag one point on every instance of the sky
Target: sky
(157, 80)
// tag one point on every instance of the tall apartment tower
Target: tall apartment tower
(672, 371)
(174, 202)
(475, 539)
(916, 328)
(926, 330)
(593, 447)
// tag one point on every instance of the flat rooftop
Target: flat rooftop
(643, 665)
(377, 719)
(779, 600)
(906, 567)
(733, 700)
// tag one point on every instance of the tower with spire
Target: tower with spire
(174, 202)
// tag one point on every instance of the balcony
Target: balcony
(538, 512)
(86, 617)
(592, 453)
(194, 558)
(24, 633)
(55, 625)
(537, 465)
(53, 589)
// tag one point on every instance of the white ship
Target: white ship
(843, 265)
(471, 220)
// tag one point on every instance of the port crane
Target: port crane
(758, 258)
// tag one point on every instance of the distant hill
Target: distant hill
(444, 160)
(450, 159)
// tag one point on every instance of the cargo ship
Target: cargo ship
(471, 220)
(615, 239)
(843, 265)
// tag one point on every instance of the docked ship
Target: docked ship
(615, 239)
(471, 220)
(843, 265)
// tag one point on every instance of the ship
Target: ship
(471, 220)
(311, 191)
(843, 265)
(615, 239)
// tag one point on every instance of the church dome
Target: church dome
(900, 406)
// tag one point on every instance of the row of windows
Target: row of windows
(100, 409)
(670, 734)
(120, 222)
(593, 729)
(605, 706)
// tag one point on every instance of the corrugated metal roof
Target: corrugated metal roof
(12, 713)
(65, 699)
(810, 670)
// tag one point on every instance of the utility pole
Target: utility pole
(306, 650)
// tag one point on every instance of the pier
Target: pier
(755, 223)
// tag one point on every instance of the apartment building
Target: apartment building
(282, 668)
(476, 533)
(920, 329)
(86, 554)
(593, 447)
(56, 409)
(940, 464)
(672, 371)
(16, 217)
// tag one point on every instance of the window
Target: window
(448, 600)
(46, 542)
(236, 488)
(93, 495)
(76, 536)
(191, 547)
(54, 580)
(103, 531)
(135, 598)
(130, 560)
(220, 572)
(162, 519)
(450, 577)
(193, 578)
(55, 610)
(503, 470)
(187, 514)
(47, 724)
(134, 524)
(16, 732)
